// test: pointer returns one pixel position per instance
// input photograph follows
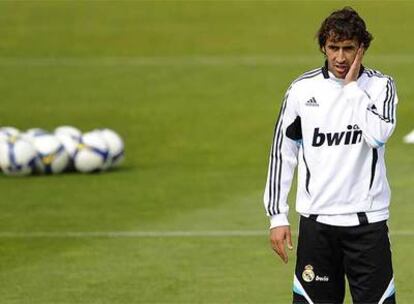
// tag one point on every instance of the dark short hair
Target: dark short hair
(342, 25)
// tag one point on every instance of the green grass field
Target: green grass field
(194, 88)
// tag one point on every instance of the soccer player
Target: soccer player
(333, 123)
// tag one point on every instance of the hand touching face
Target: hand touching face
(353, 72)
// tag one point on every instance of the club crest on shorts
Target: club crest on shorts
(308, 275)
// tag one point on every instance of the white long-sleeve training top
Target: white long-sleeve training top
(335, 133)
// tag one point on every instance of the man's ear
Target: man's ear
(323, 50)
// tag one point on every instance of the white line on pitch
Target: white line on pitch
(131, 234)
(247, 60)
(154, 234)
(160, 61)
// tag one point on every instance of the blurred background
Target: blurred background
(194, 88)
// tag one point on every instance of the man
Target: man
(334, 123)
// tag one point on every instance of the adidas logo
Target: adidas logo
(312, 102)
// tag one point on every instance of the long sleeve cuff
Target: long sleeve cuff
(278, 220)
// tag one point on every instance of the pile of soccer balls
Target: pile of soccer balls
(64, 149)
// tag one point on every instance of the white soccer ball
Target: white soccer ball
(409, 138)
(17, 157)
(69, 131)
(69, 143)
(91, 153)
(53, 157)
(115, 147)
(7, 133)
(30, 134)
(70, 138)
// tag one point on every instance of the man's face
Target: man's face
(340, 55)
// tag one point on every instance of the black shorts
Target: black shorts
(326, 254)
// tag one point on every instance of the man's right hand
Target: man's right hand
(278, 238)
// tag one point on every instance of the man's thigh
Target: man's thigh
(367, 262)
(319, 273)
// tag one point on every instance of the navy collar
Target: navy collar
(325, 72)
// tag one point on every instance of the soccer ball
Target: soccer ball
(7, 133)
(53, 157)
(68, 130)
(91, 153)
(70, 138)
(30, 134)
(17, 157)
(409, 138)
(115, 147)
(69, 143)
